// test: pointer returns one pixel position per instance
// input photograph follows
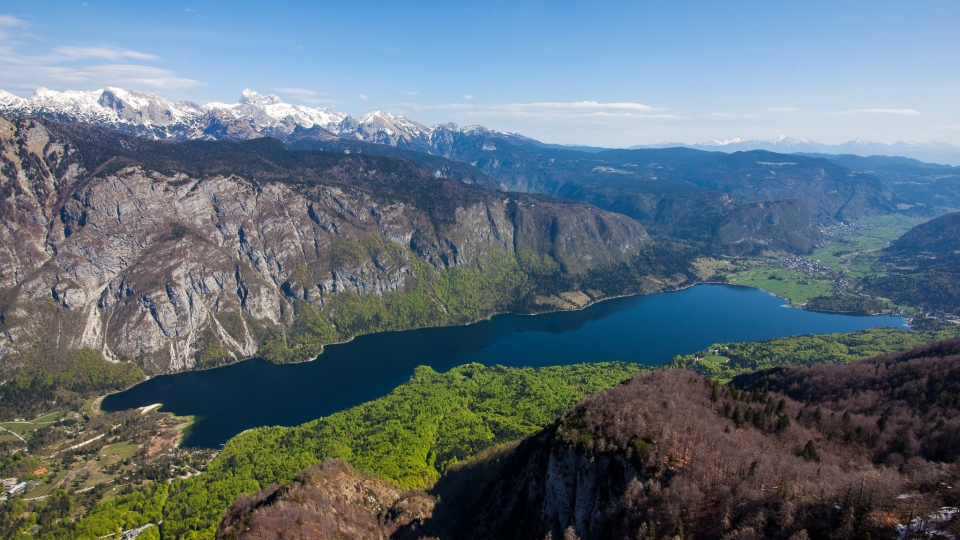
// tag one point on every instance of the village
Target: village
(92, 453)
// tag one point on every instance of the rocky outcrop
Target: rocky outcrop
(330, 500)
(154, 252)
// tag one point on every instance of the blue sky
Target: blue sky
(602, 73)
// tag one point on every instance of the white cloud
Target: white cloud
(116, 54)
(467, 96)
(76, 67)
(581, 105)
(734, 115)
(295, 91)
(9, 21)
(363, 97)
(548, 109)
(902, 112)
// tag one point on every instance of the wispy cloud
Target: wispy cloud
(363, 97)
(9, 21)
(584, 105)
(900, 112)
(548, 109)
(467, 96)
(116, 54)
(735, 115)
(76, 66)
(295, 91)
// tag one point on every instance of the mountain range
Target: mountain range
(255, 114)
(934, 152)
(192, 254)
(736, 204)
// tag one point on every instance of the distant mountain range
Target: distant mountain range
(255, 115)
(934, 152)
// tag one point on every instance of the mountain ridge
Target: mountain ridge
(149, 115)
(197, 253)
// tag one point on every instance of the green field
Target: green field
(22, 428)
(853, 253)
(796, 287)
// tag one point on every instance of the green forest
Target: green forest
(409, 436)
(68, 377)
(726, 360)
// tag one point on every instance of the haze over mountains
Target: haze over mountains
(255, 114)
(935, 152)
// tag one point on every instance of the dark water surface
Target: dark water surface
(644, 329)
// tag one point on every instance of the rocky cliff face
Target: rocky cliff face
(156, 252)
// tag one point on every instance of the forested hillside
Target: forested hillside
(408, 437)
(826, 451)
(924, 267)
(723, 361)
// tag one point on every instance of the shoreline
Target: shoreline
(491, 316)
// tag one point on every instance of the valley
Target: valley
(835, 270)
(170, 291)
(479, 270)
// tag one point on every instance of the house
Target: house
(17, 489)
(41, 470)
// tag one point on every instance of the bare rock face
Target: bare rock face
(149, 251)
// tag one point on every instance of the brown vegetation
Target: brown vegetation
(331, 500)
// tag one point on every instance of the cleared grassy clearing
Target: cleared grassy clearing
(796, 287)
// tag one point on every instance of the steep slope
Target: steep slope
(179, 254)
(931, 188)
(774, 454)
(345, 504)
(934, 243)
(924, 267)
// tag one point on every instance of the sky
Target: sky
(610, 74)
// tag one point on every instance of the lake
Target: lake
(648, 329)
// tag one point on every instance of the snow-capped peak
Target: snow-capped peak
(250, 97)
(725, 142)
(8, 100)
(149, 115)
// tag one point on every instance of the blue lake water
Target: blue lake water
(648, 329)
